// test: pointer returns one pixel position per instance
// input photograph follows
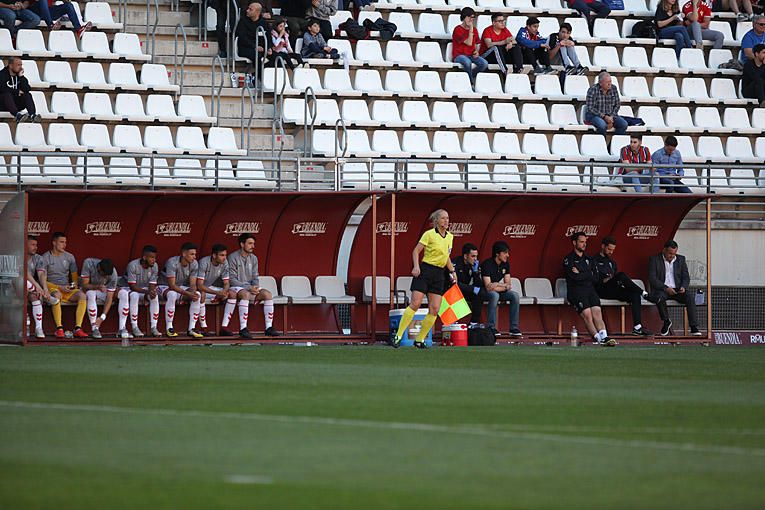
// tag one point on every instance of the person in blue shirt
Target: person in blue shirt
(669, 178)
(755, 36)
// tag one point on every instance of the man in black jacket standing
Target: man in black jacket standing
(669, 279)
(581, 275)
(469, 280)
(15, 93)
(613, 284)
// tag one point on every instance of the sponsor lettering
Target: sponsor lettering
(309, 228)
(520, 230)
(38, 227)
(9, 266)
(727, 338)
(460, 229)
(757, 339)
(103, 228)
(172, 229)
(643, 231)
(589, 230)
(383, 227)
(242, 227)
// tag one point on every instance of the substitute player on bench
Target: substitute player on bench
(58, 277)
(99, 280)
(178, 283)
(213, 283)
(140, 281)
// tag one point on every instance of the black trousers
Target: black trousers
(754, 90)
(288, 59)
(533, 56)
(220, 25)
(687, 298)
(512, 57)
(474, 300)
(621, 287)
(14, 104)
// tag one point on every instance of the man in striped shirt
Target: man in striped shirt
(634, 153)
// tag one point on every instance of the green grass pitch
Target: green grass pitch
(376, 428)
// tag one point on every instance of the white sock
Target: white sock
(268, 312)
(244, 307)
(134, 298)
(92, 307)
(123, 298)
(603, 334)
(194, 313)
(154, 310)
(638, 327)
(37, 312)
(172, 297)
(596, 336)
(228, 311)
(202, 314)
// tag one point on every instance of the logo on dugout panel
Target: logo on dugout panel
(460, 229)
(643, 231)
(309, 228)
(242, 227)
(589, 230)
(38, 227)
(173, 229)
(727, 338)
(383, 227)
(520, 230)
(103, 228)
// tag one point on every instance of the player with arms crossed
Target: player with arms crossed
(99, 280)
(213, 283)
(178, 283)
(140, 281)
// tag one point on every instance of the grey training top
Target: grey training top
(90, 270)
(243, 270)
(138, 275)
(58, 268)
(213, 276)
(33, 264)
(183, 274)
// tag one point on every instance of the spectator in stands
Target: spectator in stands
(281, 48)
(613, 284)
(465, 44)
(669, 178)
(603, 106)
(10, 12)
(634, 153)
(497, 280)
(587, 7)
(669, 22)
(498, 46)
(755, 36)
(248, 44)
(296, 14)
(753, 80)
(735, 6)
(669, 278)
(562, 50)
(314, 45)
(322, 10)
(49, 11)
(469, 280)
(534, 48)
(15, 92)
(697, 17)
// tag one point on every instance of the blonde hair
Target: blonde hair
(675, 8)
(437, 214)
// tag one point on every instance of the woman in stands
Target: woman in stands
(669, 22)
(429, 277)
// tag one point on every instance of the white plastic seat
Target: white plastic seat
(59, 74)
(368, 81)
(100, 14)
(354, 175)
(41, 105)
(358, 143)
(548, 86)
(343, 46)
(518, 85)
(584, 55)
(566, 147)
(541, 290)
(303, 78)
(159, 139)
(593, 147)
(535, 114)
(568, 178)
(429, 83)
(429, 52)
(385, 111)
(477, 143)
(479, 177)
(91, 74)
(7, 49)
(605, 28)
(536, 144)
(368, 15)
(399, 52)
(710, 148)
(635, 58)
(385, 141)
(447, 143)
(652, 116)
(338, 18)
(128, 138)
(723, 89)
(187, 173)
(123, 76)
(63, 137)
(666, 88)
(369, 51)
(759, 150)
(415, 113)
(508, 145)
(155, 76)
(382, 289)
(125, 171)
(417, 176)
(707, 117)
(743, 181)
(95, 137)
(607, 57)
(63, 44)
(431, 24)
(128, 46)
(693, 60)
(33, 74)
(687, 149)
(194, 109)
(276, 78)
(67, 104)
(98, 105)
(695, 89)
(737, 119)
(505, 115)
(403, 21)
(331, 288)
(565, 115)
(400, 83)
(161, 107)
(6, 139)
(739, 148)
(507, 177)
(31, 42)
(191, 140)
(458, 83)
(417, 142)
(58, 170)
(679, 117)
(445, 114)
(324, 142)
(665, 58)
(636, 87)
(446, 176)
(742, 27)
(130, 107)
(353, 111)
(579, 27)
(30, 136)
(222, 140)
(576, 86)
(719, 56)
(547, 25)
(538, 178)
(298, 290)
(476, 114)
(96, 45)
(251, 174)
(488, 84)
(339, 81)
(93, 167)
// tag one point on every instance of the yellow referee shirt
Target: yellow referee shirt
(437, 248)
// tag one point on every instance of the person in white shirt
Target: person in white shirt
(669, 279)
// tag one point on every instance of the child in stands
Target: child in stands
(314, 45)
(562, 50)
(281, 47)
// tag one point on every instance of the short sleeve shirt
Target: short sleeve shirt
(704, 11)
(489, 33)
(58, 267)
(212, 275)
(437, 247)
(495, 272)
(90, 270)
(33, 264)
(459, 36)
(139, 275)
(183, 274)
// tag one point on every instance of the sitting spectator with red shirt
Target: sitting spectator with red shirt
(634, 153)
(697, 17)
(499, 47)
(465, 45)
(48, 12)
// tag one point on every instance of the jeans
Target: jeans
(568, 56)
(671, 184)
(635, 179)
(679, 34)
(515, 307)
(467, 64)
(48, 14)
(28, 19)
(600, 9)
(699, 34)
(620, 125)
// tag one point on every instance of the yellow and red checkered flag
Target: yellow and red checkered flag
(453, 306)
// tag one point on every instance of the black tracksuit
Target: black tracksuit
(15, 94)
(580, 286)
(469, 279)
(620, 286)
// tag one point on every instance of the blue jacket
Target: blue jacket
(526, 42)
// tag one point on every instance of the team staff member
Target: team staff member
(99, 281)
(58, 277)
(469, 280)
(613, 284)
(669, 278)
(428, 276)
(213, 281)
(581, 275)
(498, 282)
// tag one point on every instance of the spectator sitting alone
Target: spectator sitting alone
(314, 45)
(281, 48)
(669, 22)
(562, 50)
(465, 43)
(534, 48)
(753, 80)
(49, 11)
(755, 36)
(697, 17)
(587, 7)
(15, 93)
(668, 177)
(603, 106)
(499, 47)
(10, 12)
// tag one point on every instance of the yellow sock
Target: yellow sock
(82, 307)
(406, 319)
(425, 326)
(56, 310)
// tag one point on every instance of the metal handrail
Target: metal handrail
(309, 104)
(215, 96)
(279, 67)
(122, 14)
(241, 117)
(231, 34)
(339, 123)
(153, 33)
(175, 56)
(260, 33)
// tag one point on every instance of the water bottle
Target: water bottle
(125, 342)
(574, 337)
(234, 80)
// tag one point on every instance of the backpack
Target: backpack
(481, 336)
(386, 28)
(644, 29)
(355, 31)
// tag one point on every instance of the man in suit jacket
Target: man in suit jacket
(669, 279)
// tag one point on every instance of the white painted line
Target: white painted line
(248, 480)
(469, 430)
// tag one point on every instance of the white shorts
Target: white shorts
(209, 298)
(100, 296)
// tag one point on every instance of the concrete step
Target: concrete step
(136, 18)
(194, 48)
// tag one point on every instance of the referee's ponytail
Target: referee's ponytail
(436, 214)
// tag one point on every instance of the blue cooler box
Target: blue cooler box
(394, 316)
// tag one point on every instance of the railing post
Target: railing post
(309, 106)
(215, 97)
(175, 56)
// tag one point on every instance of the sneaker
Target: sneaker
(56, 25)
(35, 118)
(742, 16)
(549, 70)
(608, 342)
(39, 333)
(517, 70)
(171, 333)
(137, 333)
(84, 28)
(243, 333)
(665, 327)
(696, 332)
(538, 70)
(420, 345)
(496, 333)
(21, 117)
(96, 333)
(155, 332)
(641, 332)
(644, 295)
(60, 333)
(225, 332)
(194, 334)
(394, 341)
(123, 333)
(570, 70)
(272, 332)
(516, 333)
(80, 333)
(582, 70)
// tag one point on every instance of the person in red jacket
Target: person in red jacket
(465, 44)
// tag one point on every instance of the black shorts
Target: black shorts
(430, 281)
(582, 299)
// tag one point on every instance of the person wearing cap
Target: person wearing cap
(465, 44)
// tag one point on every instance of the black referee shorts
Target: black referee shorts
(430, 281)
(582, 299)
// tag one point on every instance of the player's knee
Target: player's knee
(231, 294)
(265, 294)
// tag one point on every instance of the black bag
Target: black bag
(481, 336)
(644, 29)
(386, 28)
(355, 31)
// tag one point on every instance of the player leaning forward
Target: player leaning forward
(429, 277)
(178, 283)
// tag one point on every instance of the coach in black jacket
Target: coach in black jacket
(469, 280)
(669, 279)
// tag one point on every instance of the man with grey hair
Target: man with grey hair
(755, 36)
(603, 106)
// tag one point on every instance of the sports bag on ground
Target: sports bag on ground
(481, 336)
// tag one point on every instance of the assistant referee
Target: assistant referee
(429, 277)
